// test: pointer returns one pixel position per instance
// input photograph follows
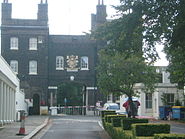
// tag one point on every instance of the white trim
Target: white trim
(91, 88)
(52, 87)
(32, 73)
(59, 68)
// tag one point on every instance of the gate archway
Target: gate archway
(70, 94)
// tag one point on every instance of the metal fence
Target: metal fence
(74, 110)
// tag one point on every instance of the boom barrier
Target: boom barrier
(75, 110)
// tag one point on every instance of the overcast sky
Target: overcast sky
(71, 17)
(67, 17)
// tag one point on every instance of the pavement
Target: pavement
(33, 124)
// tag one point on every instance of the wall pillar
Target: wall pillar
(5, 103)
(9, 107)
(14, 105)
(1, 102)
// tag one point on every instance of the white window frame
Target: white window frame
(59, 63)
(33, 67)
(170, 98)
(14, 43)
(32, 43)
(84, 63)
(14, 66)
(148, 100)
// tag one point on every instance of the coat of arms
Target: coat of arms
(72, 62)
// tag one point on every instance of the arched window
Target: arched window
(59, 63)
(33, 67)
(84, 63)
(14, 65)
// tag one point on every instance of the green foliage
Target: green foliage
(108, 118)
(177, 102)
(116, 121)
(127, 122)
(163, 22)
(117, 133)
(145, 137)
(107, 112)
(150, 129)
(169, 136)
(119, 73)
(72, 92)
(164, 99)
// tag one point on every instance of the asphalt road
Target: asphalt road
(73, 127)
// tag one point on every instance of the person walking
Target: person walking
(131, 110)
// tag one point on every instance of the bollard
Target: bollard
(22, 128)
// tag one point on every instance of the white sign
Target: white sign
(52, 87)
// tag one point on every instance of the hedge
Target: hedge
(145, 137)
(106, 112)
(169, 136)
(117, 132)
(149, 129)
(109, 117)
(126, 123)
(116, 122)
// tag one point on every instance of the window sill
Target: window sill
(32, 73)
(14, 49)
(59, 68)
(84, 69)
(33, 49)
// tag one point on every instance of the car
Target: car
(111, 106)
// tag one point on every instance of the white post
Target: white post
(87, 101)
(5, 103)
(1, 102)
(14, 105)
(9, 107)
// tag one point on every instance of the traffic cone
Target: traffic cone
(22, 128)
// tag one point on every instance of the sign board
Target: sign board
(52, 87)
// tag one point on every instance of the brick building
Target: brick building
(43, 61)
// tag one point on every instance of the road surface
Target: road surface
(73, 127)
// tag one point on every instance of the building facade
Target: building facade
(9, 87)
(43, 61)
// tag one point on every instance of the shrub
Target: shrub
(117, 132)
(106, 112)
(169, 136)
(116, 121)
(149, 129)
(127, 122)
(109, 117)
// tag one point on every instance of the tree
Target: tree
(163, 22)
(118, 74)
(149, 22)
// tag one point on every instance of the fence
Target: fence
(74, 110)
